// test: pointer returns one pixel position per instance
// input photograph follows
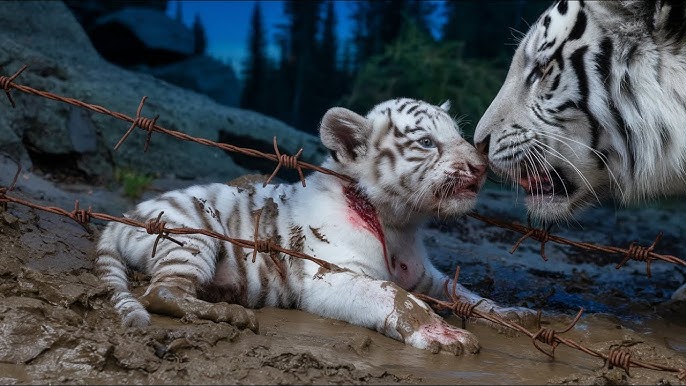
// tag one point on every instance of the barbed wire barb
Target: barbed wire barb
(290, 161)
(157, 227)
(542, 235)
(640, 253)
(144, 123)
(6, 83)
(618, 356)
(82, 217)
(548, 335)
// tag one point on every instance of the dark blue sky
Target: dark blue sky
(227, 24)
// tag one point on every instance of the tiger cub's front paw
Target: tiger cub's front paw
(438, 336)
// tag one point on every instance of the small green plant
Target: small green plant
(133, 182)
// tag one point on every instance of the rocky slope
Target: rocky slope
(52, 135)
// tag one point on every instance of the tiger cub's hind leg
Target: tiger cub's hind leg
(174, 297)
(176, 277)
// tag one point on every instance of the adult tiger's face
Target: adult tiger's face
(408, 156)
(540, 130)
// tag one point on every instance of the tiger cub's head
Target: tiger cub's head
(407, 156)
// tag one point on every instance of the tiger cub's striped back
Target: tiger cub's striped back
(409, 162)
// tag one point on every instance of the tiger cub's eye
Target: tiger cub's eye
(426, 142)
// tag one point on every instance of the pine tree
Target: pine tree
(328, 47)
(347, 62)
(420, 12)
(256, 64)
(329, 84)
(301, 31)
(380, 22)
(200, 38)
(487, 28)
(179, 12)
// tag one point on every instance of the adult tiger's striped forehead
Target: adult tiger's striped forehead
(564, 21)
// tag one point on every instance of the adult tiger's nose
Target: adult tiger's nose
(482, 146)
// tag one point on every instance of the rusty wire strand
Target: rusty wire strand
(159, 227)
(634, 252)
(549, 336)
(9, 84)
(462, 309)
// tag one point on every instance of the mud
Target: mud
(58, 327)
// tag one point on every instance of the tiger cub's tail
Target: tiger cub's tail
(111, 269)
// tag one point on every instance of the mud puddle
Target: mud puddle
(503, 359)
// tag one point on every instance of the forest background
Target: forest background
(299, 65)
(392, 53)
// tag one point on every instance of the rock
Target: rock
(10, 142)
(88, 11)
(143, 36)
(202, 74)
(62, 60)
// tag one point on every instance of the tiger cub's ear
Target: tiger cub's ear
(345, 133)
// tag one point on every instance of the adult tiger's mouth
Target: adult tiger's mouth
(546, 182)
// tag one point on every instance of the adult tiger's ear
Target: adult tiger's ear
(445, 106)
(345, 133)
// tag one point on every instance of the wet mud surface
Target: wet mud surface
(57, 325)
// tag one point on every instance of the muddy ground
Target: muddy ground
(58, 327)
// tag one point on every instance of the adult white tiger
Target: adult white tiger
(594, 105)
(410, 162)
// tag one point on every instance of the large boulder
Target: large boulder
(54, 135)
(202, 74)
(140, 35)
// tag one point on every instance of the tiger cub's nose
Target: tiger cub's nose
(476, 169)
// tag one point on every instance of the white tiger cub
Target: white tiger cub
(410, 162)
(601, 107)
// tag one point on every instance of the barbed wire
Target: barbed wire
(150, 125)
(634, 252)
(158, 227)
(617, 356)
